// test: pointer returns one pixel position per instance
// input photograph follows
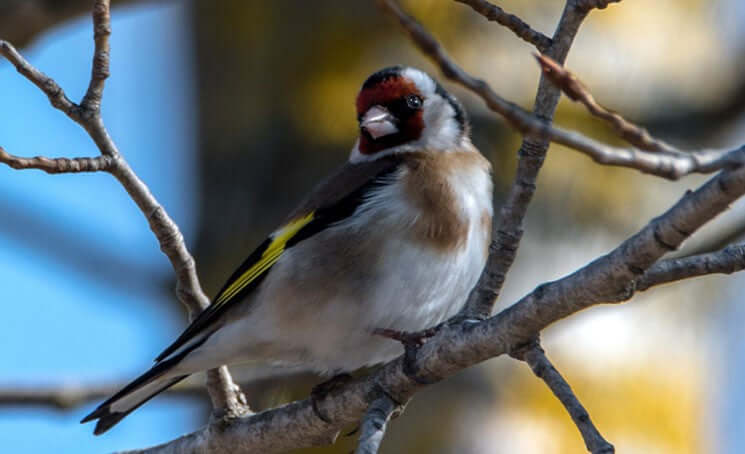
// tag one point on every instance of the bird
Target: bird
(394, 239)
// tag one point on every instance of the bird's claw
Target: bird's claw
(321, 390)
(411, 341)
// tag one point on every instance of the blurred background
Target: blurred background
(232, 110)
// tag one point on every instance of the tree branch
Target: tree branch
(538, 132)
(374, 423)
(727, 261)
(100, 68)
(57, 165)
(519, 27)
(535, 357)
(508, 229)
(667, 165)
(578, 92)
(54, 92)
(608, 279)
(226, 396)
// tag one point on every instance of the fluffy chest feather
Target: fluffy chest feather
(450, 197)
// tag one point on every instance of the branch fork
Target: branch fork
(225, 394)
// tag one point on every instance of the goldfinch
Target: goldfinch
(395, 239)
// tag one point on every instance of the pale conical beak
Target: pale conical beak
(378, 122)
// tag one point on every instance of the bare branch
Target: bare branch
(45, 83)
(508, 229)
(727, 261)
(225, 394)
(666, 161)
(667, 165)
(523, 30)
(611, 277)
(535, 127)
(577, 91)
(535, 357)
(228, 400)
(372, 428)
(57, 165)
(100, 68)
(456, 346)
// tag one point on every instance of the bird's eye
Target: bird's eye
(414, 102)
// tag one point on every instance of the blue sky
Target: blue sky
(64, 324)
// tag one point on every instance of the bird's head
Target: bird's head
(404, 109)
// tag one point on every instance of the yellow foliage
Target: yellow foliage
(649, 409)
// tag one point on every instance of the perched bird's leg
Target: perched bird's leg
(414, 339)
(411, 341)
(320, 391)
(418, 338)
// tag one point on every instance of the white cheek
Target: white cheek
(441, 131)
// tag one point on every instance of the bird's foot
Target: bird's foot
(321, 390)
(409, 339)
(412, 342)
(418, 338)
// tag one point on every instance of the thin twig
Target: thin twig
(374, 423)
(508, 230)
(57, 165)
(225, 394)
(518, 26)
(665, 160)
(577, 91)
(727, 261)
(539, 132)
(54, 92)
(100, 68)
(663, 164)
(536, 358)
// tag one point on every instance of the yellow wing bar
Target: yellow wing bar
(268, 258)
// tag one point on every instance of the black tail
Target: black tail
(142, 389)
(107, 417)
